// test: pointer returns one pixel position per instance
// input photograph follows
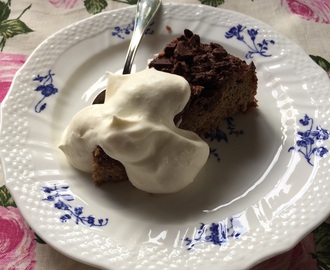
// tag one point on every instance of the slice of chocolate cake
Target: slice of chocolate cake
(221, 86)
(106, 169)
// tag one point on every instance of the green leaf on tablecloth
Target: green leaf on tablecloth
(95, 6)
(213, 3)
(6, 198)
(39, 240)
(321, 62)
(322, 246)
(11, 28)
(4, 11)
(131, 2)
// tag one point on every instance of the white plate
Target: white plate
(256, 197)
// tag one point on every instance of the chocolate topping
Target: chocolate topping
(203, 65)
(219, 82)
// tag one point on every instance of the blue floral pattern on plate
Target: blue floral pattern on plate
(215, 233)
(254, 47)
(46, 88)
(220, 135)
(61, 197)
(308, 140)
(120, 32)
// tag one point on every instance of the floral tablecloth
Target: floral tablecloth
(26, 23)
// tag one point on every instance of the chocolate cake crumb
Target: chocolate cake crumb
(168, 28)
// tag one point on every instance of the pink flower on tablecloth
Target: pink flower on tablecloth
(68, 4)
(298, 258)
(92, 6)
(17, 244)
(9, 64)
(315, 10)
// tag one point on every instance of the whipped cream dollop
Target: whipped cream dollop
(135, 126)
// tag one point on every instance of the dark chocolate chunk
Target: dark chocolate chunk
(188, 34)
(160, 63)
(183, 51)
(195, 40)
(169, 49)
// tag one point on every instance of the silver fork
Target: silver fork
(145, 12)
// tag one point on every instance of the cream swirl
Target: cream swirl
(135, 126)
